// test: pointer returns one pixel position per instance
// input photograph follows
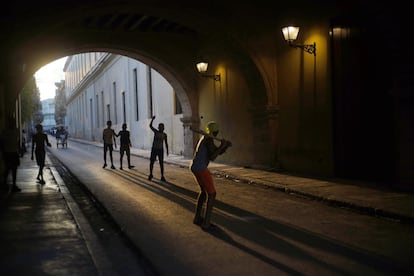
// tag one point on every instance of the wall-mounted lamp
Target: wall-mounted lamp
(290, 34)
(202, 67)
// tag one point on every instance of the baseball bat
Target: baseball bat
(199, 131)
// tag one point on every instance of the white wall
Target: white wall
(99, 81)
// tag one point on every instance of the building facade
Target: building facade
(103, 86)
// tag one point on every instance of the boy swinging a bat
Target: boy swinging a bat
(205, 152)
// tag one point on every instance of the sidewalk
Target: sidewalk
(38, 233)
(358, 196)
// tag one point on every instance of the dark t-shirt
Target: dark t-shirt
(202, 156)
(39, 141)
(159, 138)
(124, 134)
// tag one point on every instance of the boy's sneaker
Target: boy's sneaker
(198, 221)
(113, 167)
(208, 227)
(104, 166)
(150, 177)
(130, 167)
(16, 189)
(163, 179)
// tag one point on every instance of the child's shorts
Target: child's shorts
(205, 180)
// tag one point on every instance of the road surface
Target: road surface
(260, 231)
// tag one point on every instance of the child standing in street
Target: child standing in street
(39, 140)
(157, 150)
(125, 145)
(205, 152)
(108, 137)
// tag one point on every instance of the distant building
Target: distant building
(48, 110)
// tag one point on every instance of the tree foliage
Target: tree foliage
(30, 101)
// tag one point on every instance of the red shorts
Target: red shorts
(205, 181)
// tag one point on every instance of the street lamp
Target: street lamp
(290, 34)
(202, 67)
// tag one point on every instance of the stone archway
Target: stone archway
(169, 44)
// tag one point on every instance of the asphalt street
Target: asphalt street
(261, 231)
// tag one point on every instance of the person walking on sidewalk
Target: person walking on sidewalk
(39, 140)
(108, 136)
(10, 151)
(205, 152)
(125, 145)
(157, 149)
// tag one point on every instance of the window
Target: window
(135, 84)
(108, 110)
(103, 108)
(91, 117)
(85, 100)
(123, 107)
(114, 92)
(97, 111)
(149, 91)
(177, 105)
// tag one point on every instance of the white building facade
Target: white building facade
(104, 86)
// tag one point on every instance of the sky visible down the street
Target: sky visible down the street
(47, 76)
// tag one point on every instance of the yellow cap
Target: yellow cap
(212, 127)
